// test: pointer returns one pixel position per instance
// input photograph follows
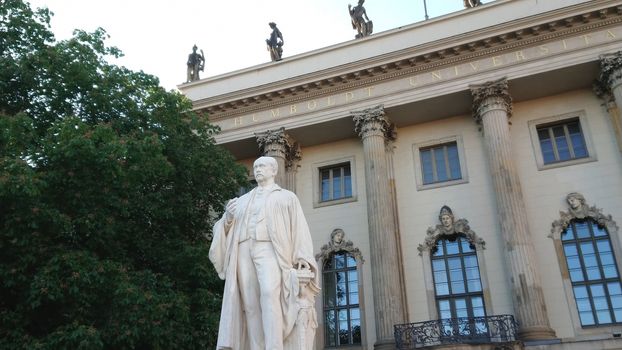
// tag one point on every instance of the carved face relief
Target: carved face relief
(574, 202)
(338, 237)
(447, 221)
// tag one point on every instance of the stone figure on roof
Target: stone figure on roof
(472, 3)
(263, 250)
(196, 63)
(275, 43)
(360, 21)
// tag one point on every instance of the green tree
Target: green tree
(108, 185)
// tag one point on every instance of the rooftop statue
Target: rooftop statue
(364, 27)
(262, 247)
(275, 43)
(472, 3)
(196, 63)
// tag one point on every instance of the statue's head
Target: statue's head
(575, 200)
(337, 236)
(265, 169)
(361, 2)
(446, 217)
(194, 48)
(272, 25)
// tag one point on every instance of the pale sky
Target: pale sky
(156, 36)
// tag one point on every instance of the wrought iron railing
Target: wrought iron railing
(465, 330)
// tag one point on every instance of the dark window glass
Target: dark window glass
(457, 284)
(342, 312)
(335, 182)
(440, 163)
(562, 141)
(593, 273)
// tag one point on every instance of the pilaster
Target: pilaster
(373, 127)
(492, 108)
(279, 145)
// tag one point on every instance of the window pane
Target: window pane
(344, 330)
(441, 170)
(576, 137)
(330, 295)
(426, 166)
(466, 246)
(326, 185)
(452, 247)
(438, 265)
(560, 141)
(340, 261)
(548, 155)
(568, 234)
(599, 231)
(582, 229)
(331, 327)
(347, 178)
(337, 193)
(351, 262)
(454, 162)
(355, 322)
(341, 288)
(461, 308)
(442, 289)
(353, 276)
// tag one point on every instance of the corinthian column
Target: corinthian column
(372, 126)
(609, 88)
(280, 146)
(492, 108)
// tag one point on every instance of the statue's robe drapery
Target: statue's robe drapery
(291, 239)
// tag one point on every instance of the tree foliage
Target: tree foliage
(108, 184)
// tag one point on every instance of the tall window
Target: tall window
(562, 141)
(593, 273)
(457, 281)
(335, 182)
(440, 163)
(341, 300)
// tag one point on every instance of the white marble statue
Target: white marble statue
(262, 248)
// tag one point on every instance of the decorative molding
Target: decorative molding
(579, 210)
(529, 36)
(490, 94)
(338, 243)
(371, 120)
(458, 227)
(277, 141)
(610, 72)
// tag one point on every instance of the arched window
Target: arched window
(457, 283)
(342, 313)
(587, 242)
(342, 299)
(593, 273)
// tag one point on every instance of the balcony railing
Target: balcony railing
(465, 330)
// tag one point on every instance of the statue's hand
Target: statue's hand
(230, 209)
(302, 265)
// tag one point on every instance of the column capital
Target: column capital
(278, 143)
(372, 121)
(610, 73)
(491, 95)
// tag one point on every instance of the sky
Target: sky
(156, 36)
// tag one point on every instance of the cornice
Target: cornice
(419, 59)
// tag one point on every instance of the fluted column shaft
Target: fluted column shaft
(492, 105)
(389, 305)
(609, 88)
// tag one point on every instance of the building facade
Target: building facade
(462, 176)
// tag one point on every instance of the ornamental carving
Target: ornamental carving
(371, 121)
(610, 71)
(579, 210)
(489, 94)
(277, 142)
(450, 228)
(338, 243)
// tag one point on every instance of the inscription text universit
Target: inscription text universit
(427, 78)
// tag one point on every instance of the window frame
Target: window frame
(419, 146)
(562, 119)
(317, 185)
(604, 281)
(348, 306)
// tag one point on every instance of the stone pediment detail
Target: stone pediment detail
(579, 210)
(458, 227)
(529, 36)
(339, 245)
